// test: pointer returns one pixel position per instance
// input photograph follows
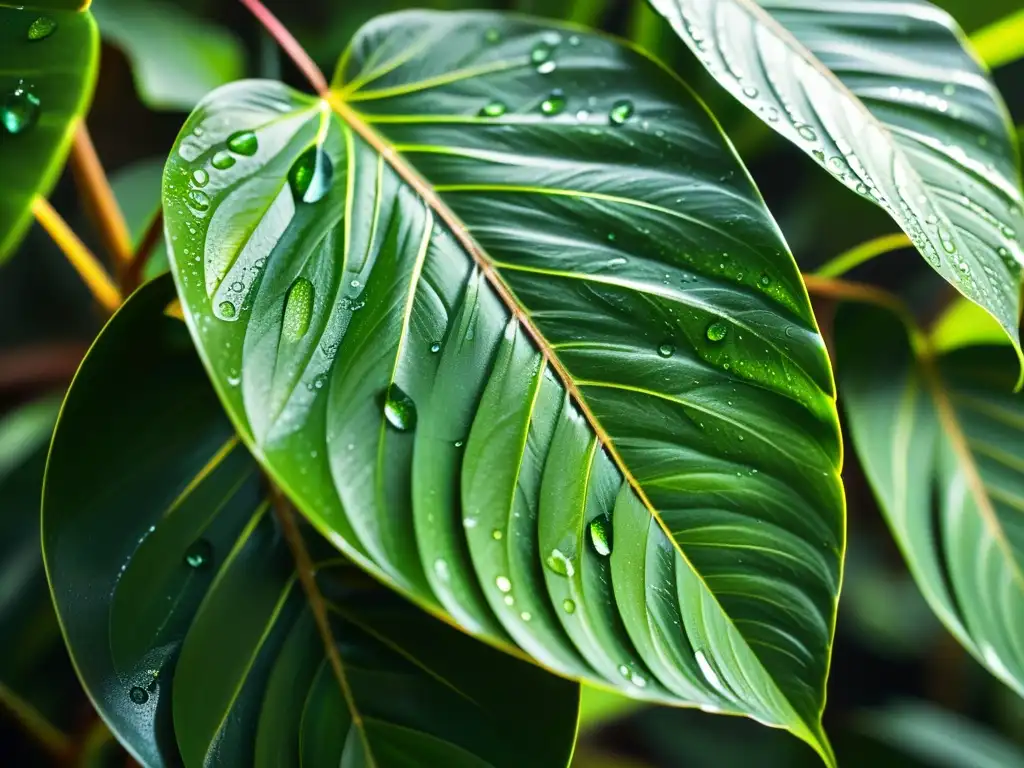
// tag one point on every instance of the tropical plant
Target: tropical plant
(481, 372)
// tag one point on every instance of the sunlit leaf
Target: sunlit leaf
(887, 98)
(191, 629)
(507, 319)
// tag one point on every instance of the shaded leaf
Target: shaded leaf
(47, 70)
(501, 317)
(186, 619)
(940, 442)
(137, 190)
(888, 99)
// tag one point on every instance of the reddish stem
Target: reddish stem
(290, 45)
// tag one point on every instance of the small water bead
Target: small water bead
(298, 309)
(199, 555)
(525, 615)
(949, 89)
(459, 443)
(435, 347)
(717, 331)
(807, 133)
(509, 600)
(198, 200)
(765, 280)
(560, 563)
(227, 309)
(138, 695)
(19, 110)
(666, 350)
(493, 109)
(620, 112)
(200, 177)
(546, 68)
(41, 28)
(222, 161)
(311, 174)
(441, 569)
(399, 409)
(243, 143)
(583, 115)
(601, 535)
(540, 53)
(503, 584)
(553, 104)
(497, 534)
(492, 35)
(568, 606)
(750, 92)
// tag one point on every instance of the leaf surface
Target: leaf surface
(189, 625)
(888, 98)
(48, 58)
(509, 322)
(940, 442)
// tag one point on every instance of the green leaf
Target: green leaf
(509, 322)
(887, 98)
(940, 442)
(964, 324)
(47, 69)
(176, 58)
(188, 622)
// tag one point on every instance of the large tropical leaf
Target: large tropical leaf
(941, 443)
(886, 96)
(509, 322)
(190, 626)
(48, 53)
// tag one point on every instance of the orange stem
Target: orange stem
(289, 44)
(94, 185)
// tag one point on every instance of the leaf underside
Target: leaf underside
(941, 445)
(186, 619)
(508, 321)
(45, 86)
(889, 99)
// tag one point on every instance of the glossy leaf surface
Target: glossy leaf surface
(886, 97)
(509, 322)
(186, 619)
(941, 445)
(47, 68)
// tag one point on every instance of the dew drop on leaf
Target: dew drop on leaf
(568, 606)
(399, 409)
(497, 534)
(243, 143)
(560, 563)
(601, 535)
(620, 112)
(298, 309)
(503, 584)
(41, 28)
(198, 200)
(199, 555)
(222, 161)
(435, 347)
(19, 110)
(310, 175)
(666, 350)
(717, 331)
(227, 309)
(492, 35)
(200, 177)
(138, 695)
(493, 109)
(553, 104)
(540, 53)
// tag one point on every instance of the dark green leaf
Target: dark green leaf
(886, 97)
(940, 442)
(186, 619)
(47, 68)
(137, 190)
(509, 322)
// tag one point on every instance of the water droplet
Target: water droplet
(435, 347)
(311, 175)
(949, 89)
(198, 200)
(509, 600)
(525, 615)
(553, 104)
(298, 309)
(441, 569)
(540, 53)
(765, 280)
(750, 92)
(20, 110)
(227, 309)
(583, 115)
(459, 443)
(560, 563)
(222, 161)
(601, 535)
(199, 555)
(807, 133)
(624, 671)
(200, 177)
(611, 237)
(574, 40)
(41, 28)
(503, 584)
(138, 695)
(243, 143)
(399, 409)
(717, 331)
(568, 606)
(493, 109)
(620, 112)
(492, 35)
(546, 68)
(638, 680)
(666, 350)
(497, 534)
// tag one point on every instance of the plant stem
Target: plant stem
(862, 253)
(39, 728)
(289, 44)
(106, 213)
(132, 277)
(81, 258)
(1001, 42)
(39, 366)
